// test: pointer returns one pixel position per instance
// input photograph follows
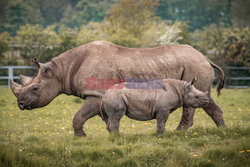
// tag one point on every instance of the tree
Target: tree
(226, 46)
(236, 47)
(16, 16)
(175, 33)
(134, 16)
(91, 32)
(21, 12)
(52, 11)
(240, 13)
(34, 41)
(69, 17)
(67, 37)
(85, 11)
(210, 38)
(3, 14)
(5, 39)
(198, 13)
(126, 22)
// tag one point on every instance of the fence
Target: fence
(232, 79)
(12, 68)
(11, 72)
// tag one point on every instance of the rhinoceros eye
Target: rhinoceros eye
(196, 97)
(35, 89)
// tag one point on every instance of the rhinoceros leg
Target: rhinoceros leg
(161, 118)
(90, 108)
(215, 112)
(186, 118)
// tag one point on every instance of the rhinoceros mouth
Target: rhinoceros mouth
(22, 106)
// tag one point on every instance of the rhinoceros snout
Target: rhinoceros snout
(21, 105)
(206, 103)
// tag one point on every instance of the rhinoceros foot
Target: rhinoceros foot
(79, 133)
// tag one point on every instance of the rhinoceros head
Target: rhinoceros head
(37, 92)
(193, 97)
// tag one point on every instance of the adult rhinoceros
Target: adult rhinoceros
(69, 73)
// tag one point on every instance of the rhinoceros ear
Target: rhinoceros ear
(193, 81)
(45, 69)
(25, 80)
(35, 62)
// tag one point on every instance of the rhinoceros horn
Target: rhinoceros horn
(25, 80)
(16, 88)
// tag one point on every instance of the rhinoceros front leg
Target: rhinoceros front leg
(161, 118)
(215, 112)
(90, 108)
(186, 118)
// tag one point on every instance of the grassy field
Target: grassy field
(44, 137)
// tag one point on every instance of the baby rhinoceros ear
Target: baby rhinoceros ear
(189, 84)
(193, 81)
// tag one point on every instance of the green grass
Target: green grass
(44, 137)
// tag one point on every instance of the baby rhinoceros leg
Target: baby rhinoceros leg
(161, 117)
(115, 110)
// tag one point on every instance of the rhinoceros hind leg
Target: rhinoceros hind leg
(161, 118)
(90, 108)
(186, 118)
(215, 112)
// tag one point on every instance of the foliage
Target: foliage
(240, 12)
(45, 137)
(3, 14)
(85, 11)
(16, 16)
(78, 13)
(92, 32)
(236, 47)
(67, 38)
(123, 38)
(4, 46)
(151, 37)
(175, 33)
(130, 23)
(52, 11)
(34, 41)
(20, 13)
(228, 46)
(209, 38)
(133, 16)
(129, 19)
(198, 13)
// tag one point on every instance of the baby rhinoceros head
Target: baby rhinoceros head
(193, 97)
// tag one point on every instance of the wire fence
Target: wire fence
(233, 80)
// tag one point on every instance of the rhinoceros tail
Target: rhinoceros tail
(222, 78)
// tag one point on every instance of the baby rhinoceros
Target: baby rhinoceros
(150, 103)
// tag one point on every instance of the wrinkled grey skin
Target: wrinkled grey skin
(68, 74)
(148, 104)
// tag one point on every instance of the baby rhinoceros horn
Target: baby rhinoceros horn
(16, 88)
(25, 80)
